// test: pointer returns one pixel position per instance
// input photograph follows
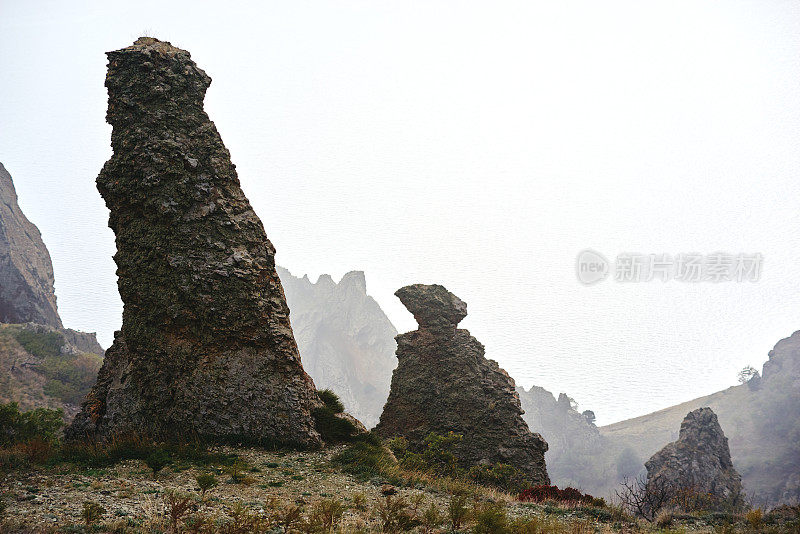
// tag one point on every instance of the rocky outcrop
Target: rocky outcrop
(761, 423)
(26, 273)
(699, 462)
(206, 348)
(346, 342)
(444, 383)
(83, 341)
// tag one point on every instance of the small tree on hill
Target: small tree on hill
(747, 374)
(590, 417)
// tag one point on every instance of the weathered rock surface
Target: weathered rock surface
(699, 460)
(444, 383)
(206, 347)
(346, 342)
(26, 272)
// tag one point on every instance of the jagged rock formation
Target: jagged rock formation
(444, 383)
(762, 424)
(699, 461)
(571, 437)
(83, 341)
(26, 273)
(346, 342)
(206, 347)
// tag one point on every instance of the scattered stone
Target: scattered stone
(206, 348)
(444, 383)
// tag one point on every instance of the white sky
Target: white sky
(477, 145)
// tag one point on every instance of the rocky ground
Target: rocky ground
(271, 486)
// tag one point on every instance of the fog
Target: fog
(477, 145)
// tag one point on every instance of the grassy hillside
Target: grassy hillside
(41, 369)
(761, 420)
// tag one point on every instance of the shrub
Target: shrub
(436, 453)
(439, 453)
(408, 459)
(206, 482)
(177, 507)
(332, 428)
(331, 400)
(236, 471)
(359, 501)
(287, 516)
(503, 476)
(20, 427)
(490, 518)
(92, 512)
(457, 511)
(689, 499)
(157, 460)
(553, 493)
(643, 499)
(398, 446)
(92, 453)
(755, 518)
(365, 460)
(325, 515)
(664, 518)
(599, 502)
(431, 519)
(36, 451)
(395, 515)
(243, 520)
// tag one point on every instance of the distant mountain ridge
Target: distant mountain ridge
(760, 418)
(346, 341)
(571, 437)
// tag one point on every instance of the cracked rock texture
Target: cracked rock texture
(27, 294)
(699, 460)
(444, 383)
(206, 347)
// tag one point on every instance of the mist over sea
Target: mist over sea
(485, 162)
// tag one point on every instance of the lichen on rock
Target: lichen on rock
(206, 348)
(444, 383)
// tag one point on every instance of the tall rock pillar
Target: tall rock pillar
(206, 347)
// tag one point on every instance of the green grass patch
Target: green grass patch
(367, 458)
(331, 400)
